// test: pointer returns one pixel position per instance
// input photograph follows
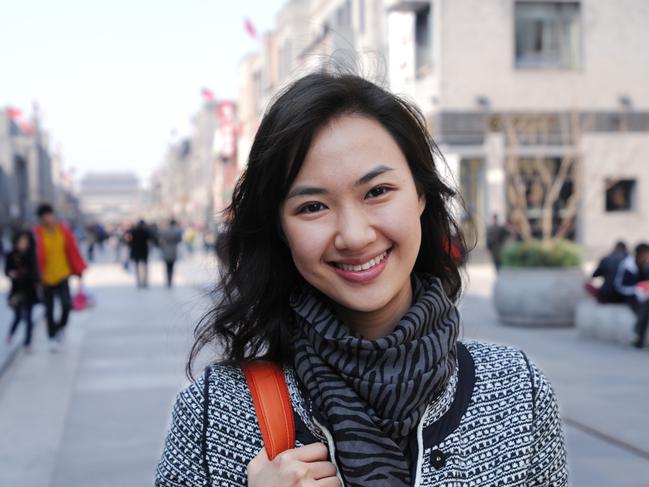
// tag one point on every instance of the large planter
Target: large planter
(538, 296)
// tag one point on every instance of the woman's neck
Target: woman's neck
(381, 322)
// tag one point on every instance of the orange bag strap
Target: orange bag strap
(272, 405)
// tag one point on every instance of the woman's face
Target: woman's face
(351, 218)
(22, 244)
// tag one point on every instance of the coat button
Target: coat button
(437, 459)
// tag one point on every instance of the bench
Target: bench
(609, 322)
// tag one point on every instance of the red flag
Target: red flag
(225, 111)
(26, 127)
(207, 94)
(13, 113)
(250, 28)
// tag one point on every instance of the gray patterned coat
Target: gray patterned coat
(496, 424)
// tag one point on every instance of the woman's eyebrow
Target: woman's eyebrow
(314, 190)
(377, 171)
(305, 191)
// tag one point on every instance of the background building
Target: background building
(473, 65)
(110, 197)
(310, 34)
(195, 180)
(511, 91)
(30, 172)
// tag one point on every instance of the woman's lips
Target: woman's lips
(363, 275)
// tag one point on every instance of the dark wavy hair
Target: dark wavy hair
(251, 317)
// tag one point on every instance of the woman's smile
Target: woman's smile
(361, 270)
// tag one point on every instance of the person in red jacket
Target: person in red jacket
(58, 258)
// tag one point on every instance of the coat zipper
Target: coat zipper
(420, 451)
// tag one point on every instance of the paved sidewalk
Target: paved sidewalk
(7, 353)
(96, 413)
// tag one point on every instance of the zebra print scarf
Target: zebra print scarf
(373, 393)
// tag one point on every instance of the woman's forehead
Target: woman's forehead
(350, 146)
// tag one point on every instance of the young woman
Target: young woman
(340, 269)
(20, 267)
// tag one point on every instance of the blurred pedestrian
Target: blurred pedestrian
(91, 242)
(607, 270)
(21, 268)
(2, 244)
(58, 258)
(140, 238)
(497, 235)
(631, 271)
(190, 239)
(168, 240)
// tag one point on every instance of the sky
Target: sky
(113, 79)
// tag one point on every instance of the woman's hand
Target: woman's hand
(299, 467)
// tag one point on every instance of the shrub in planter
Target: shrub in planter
(539, 253)
(539, 284)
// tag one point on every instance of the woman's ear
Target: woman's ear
(422, 203)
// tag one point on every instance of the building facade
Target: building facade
(26, 169)
(567, 77)
(195, 180)
(110, 197)
(539, 107)
(310, 35)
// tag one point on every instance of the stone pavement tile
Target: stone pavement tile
(594, 463)
(34, 399)
(113, 437)
(131, 368)
(7, 352)
(97, 413)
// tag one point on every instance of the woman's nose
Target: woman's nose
(354, 230)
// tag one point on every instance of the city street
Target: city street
(96, 413)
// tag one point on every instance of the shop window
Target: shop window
(532, 174)
(547, 34)
(620, 194)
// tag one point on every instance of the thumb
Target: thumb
(258, 461)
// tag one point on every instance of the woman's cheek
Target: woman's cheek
(308, 244)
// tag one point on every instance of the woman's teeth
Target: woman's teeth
(363, 267)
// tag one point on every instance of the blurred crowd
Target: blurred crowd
(39, 261)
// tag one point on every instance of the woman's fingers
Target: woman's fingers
(322, 470)
(314, 452)
(328, 482)
(306, 465)
(258, 463)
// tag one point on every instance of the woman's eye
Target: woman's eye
(311, 208)
(378, 191)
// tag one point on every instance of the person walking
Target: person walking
(2, 245)
(631, 271)
(58, 258)
(22, 270)
(139, 241)
(168, 240)
(496, 237)
(341, 280)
